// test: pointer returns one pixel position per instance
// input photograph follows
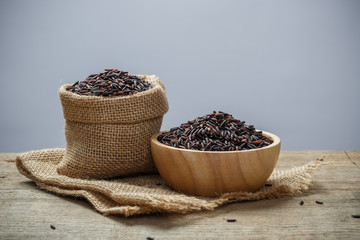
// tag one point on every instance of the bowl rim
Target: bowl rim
(275, 138)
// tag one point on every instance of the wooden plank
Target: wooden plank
(8, 156)
(27, 212)
(354, 157)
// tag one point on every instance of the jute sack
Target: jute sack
(149, 193)
(110, 136)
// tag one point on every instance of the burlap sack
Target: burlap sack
(110, 136)
(149, 193)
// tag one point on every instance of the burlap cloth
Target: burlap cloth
(149, 193)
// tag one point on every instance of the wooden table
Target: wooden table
(26, 212)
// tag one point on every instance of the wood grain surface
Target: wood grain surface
(27, 212)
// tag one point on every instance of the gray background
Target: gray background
(288, 67)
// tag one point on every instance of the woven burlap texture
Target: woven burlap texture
(149, 193)
(110, 136)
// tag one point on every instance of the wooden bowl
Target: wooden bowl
(211, 173)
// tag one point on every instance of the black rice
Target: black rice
(217, 131)
(110, 83)
(231, 220)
